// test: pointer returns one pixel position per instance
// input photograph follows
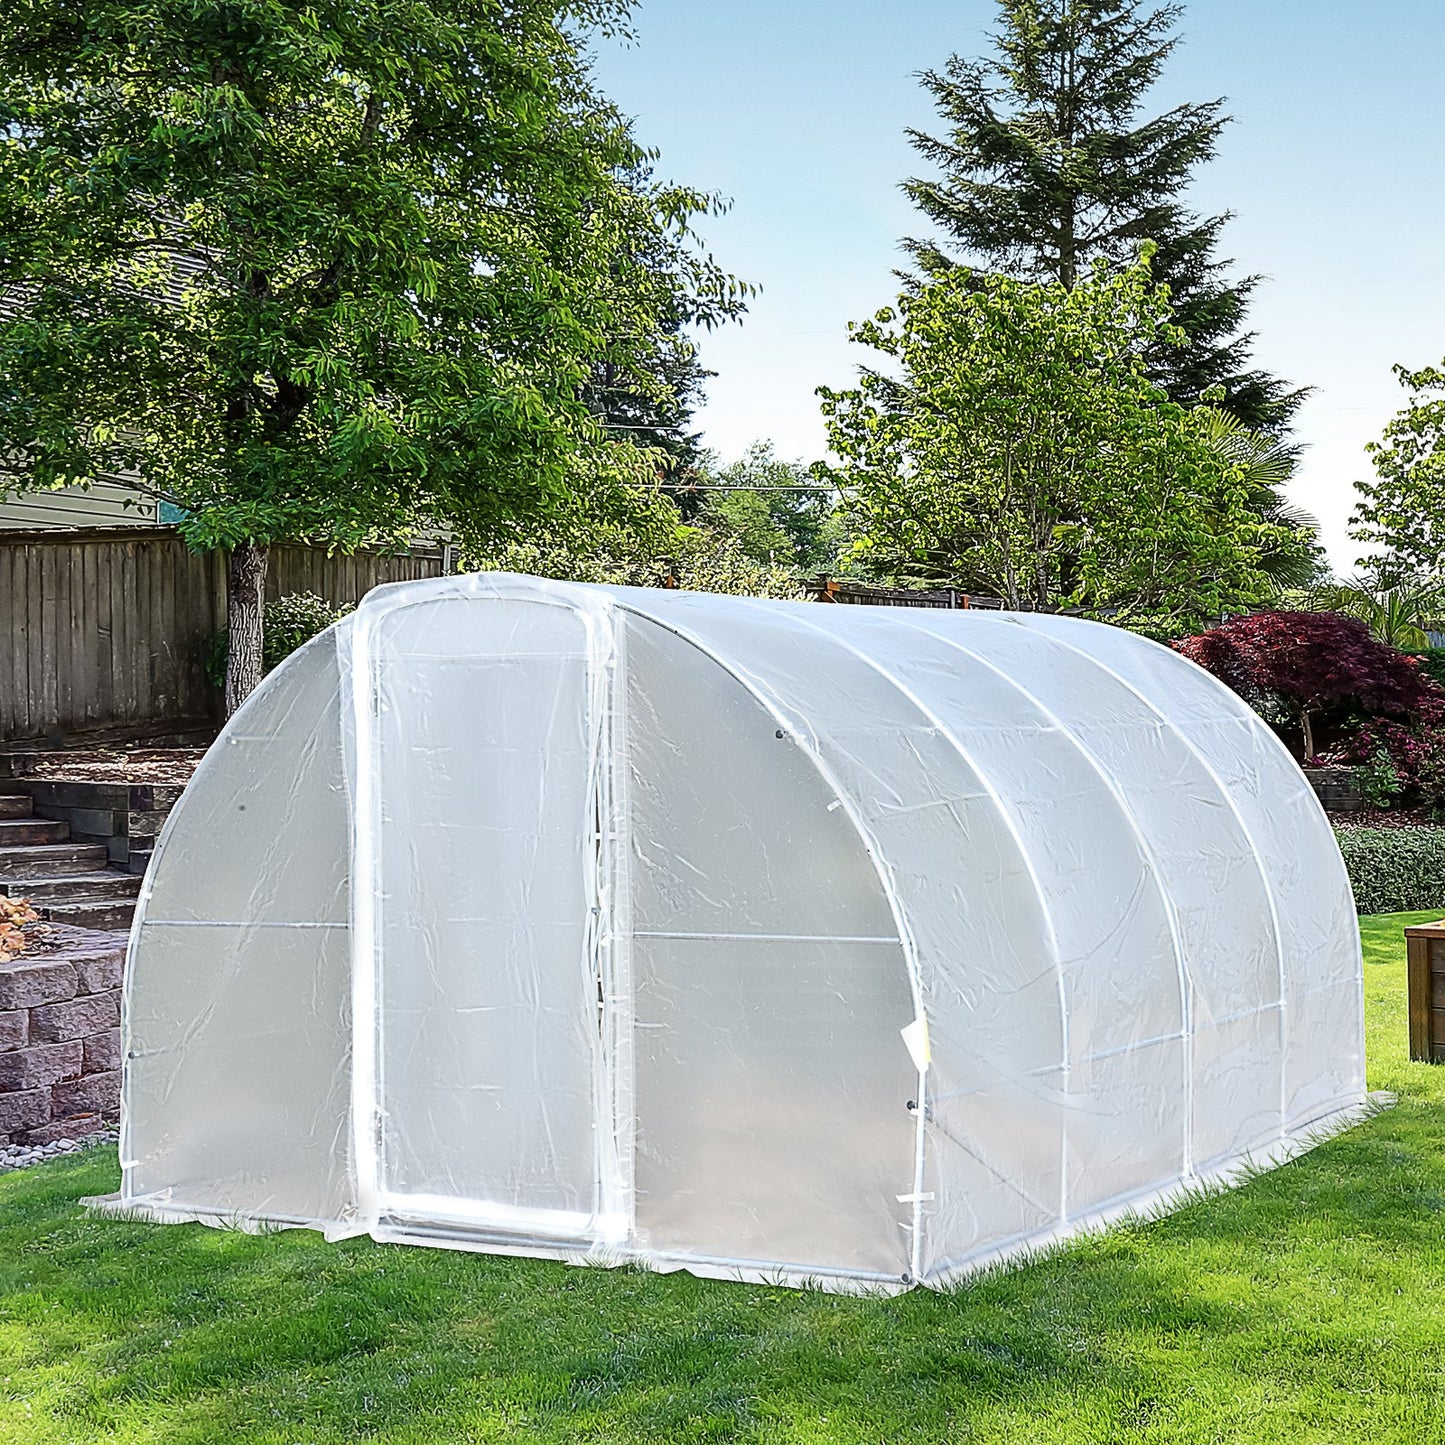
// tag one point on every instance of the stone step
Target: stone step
(31, 832)
(97, 914)
(16, 805)
(107, 886)
(49, 860)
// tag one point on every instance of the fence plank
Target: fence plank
(14, 665)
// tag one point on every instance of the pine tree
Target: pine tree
(1047, 163)
(650, 397)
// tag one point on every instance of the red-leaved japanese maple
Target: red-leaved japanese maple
(1312, 660)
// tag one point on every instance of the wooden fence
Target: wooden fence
(867, 594)
(102, 631)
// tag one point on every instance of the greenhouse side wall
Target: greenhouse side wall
(770, 1081)
(237, 1019)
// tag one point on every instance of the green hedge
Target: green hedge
(1395, 870)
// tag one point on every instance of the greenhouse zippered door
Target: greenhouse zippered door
(494, 1105)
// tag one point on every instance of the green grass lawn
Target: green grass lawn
(1309, 1306)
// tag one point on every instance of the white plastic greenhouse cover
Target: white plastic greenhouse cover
(766, 940)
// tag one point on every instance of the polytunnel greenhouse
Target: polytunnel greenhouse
(767, 940)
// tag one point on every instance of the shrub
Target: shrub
(697, 559)
(1379, 780)
(291, 622)
(1413, 752)
(287, 623)
(1394, 870)
(1317, 663)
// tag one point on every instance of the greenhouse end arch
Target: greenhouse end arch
(766, 940)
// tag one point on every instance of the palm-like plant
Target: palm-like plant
(1397, 608)
(1267, 464)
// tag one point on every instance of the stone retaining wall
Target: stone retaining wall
(60, 1038)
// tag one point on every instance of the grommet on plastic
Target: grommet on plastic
(912, 1105)
(906, 1278)
(780, 734)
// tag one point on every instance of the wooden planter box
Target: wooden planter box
(1425, 946)
(1336, 788)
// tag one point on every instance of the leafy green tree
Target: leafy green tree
(1402, 511)
(1017, 445)
(1048, 162)
(326, 272)
(776, 510)
(662, 550)
(635, 537)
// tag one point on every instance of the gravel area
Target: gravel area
(20, 1156)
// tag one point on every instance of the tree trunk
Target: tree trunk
(245, 594)
(1068, 250)
(1307, 727)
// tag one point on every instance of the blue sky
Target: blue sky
(795, 110)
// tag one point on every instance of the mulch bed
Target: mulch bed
(116, 765)
(1385, 818)
(46, 940)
